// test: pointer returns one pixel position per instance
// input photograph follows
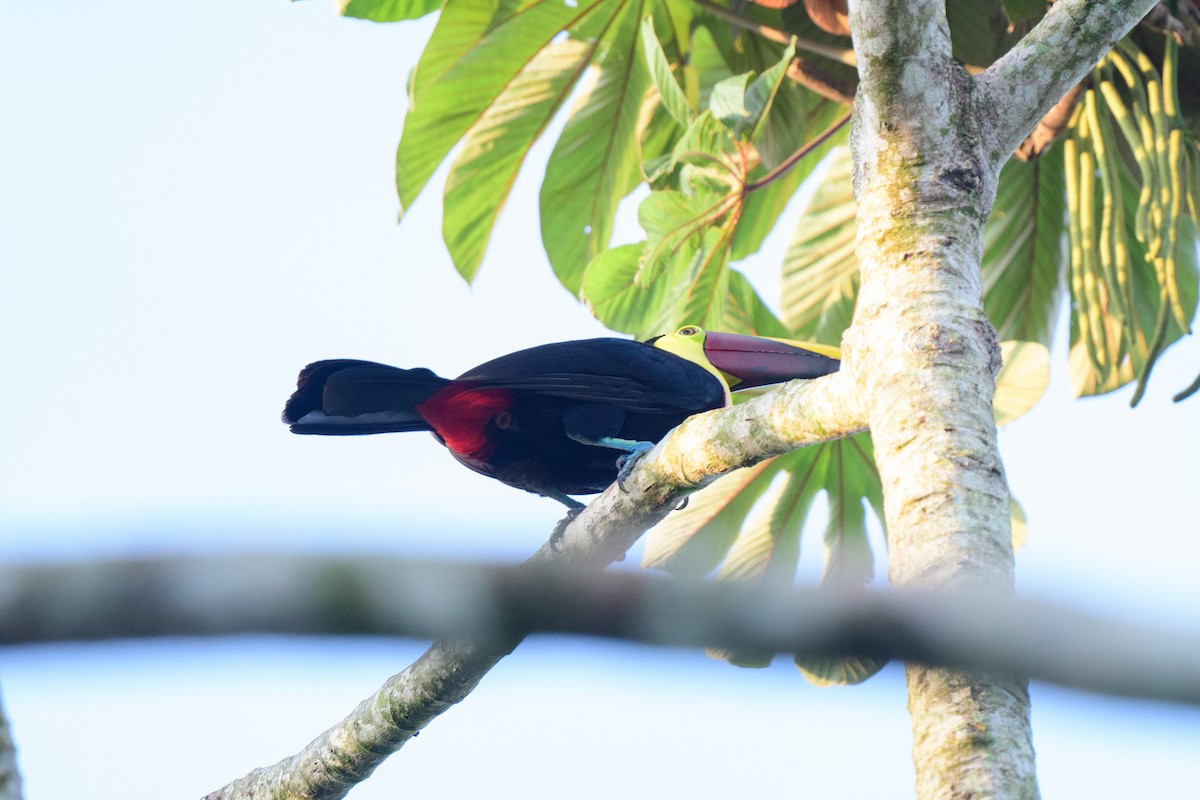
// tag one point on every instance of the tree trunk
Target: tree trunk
(929, 141)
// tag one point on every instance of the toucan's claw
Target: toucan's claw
(627, 462)
(560, 527)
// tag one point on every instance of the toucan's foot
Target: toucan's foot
(627, 462)
(561, 528)
(683, 503)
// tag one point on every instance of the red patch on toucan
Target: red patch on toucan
(459, 415)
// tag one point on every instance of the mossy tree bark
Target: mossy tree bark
(929, 141)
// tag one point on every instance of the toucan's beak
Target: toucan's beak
(748, 361)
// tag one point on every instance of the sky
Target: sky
(198, 200)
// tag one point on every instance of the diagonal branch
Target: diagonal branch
(696, 453)
(1025, 83)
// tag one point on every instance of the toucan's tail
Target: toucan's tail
(346, 397)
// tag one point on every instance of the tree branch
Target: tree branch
(10, 776)
(803, 71)
(1020, 87)
(694, 454)
(316, 595)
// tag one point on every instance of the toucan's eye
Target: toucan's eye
(690, 330)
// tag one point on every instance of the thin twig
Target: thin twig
(796, 157)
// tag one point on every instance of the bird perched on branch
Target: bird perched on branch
(560, 419)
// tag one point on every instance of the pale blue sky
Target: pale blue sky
(197, 200)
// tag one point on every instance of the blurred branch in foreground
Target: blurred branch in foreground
(10, 777)
(498, 605)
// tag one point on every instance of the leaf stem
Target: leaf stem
(795, 157)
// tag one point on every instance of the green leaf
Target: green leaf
(835, 671)
(479, 51)
(820, 270)
(794, 119)
(745, 312)
(1022, 380)
(704, 156)
(673, 97)
(387, 10)
(767, 549)
(703, 301)
(728, 100)
(675, 224)
(709, 66)
(596, 160)
(496, 146)
(1021, 10)
(977, 28)
(1024, 249)
(851, 479)
(761, 94)
(616, 300)
(692, 541)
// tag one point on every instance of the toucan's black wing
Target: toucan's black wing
(634, 376)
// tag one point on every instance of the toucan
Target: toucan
(548, 419)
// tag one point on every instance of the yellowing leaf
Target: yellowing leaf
(1022, 380)
(692, 541)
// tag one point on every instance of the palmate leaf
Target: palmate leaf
(1024, 250)
(767, 549)
(675, 223)
(691, 542)
(820, 269)
(674, 99)
(1022, 380)
(387, 10)
(746, 312)
(691, 220)
(475, 51)
(708, 286)
(496, 146)
(596, 161)
(618, 301)
(851, 483)
(711, 531)
(1023, 260)
(797, 116)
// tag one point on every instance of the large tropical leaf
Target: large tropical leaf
(477, 49)
(1022, 380)
(820, 269)
(1024, 250)
(387, 10)
(622, 304)
(691, 542)
(496, 146)
(746, 312)
(851, 484)
(596, 160)
(711, 531)
(797, 116)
